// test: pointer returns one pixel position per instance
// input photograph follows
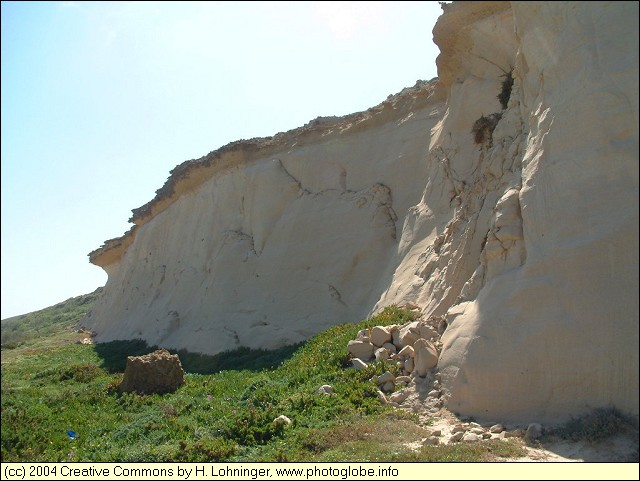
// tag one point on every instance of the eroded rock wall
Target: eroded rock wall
(290, 238)
(503, 196)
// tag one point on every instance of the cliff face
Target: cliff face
(503, 197)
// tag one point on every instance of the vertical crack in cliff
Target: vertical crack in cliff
(294, 179)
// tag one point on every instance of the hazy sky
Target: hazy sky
(101, 100)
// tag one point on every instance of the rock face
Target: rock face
(157, 372)
(501, 197)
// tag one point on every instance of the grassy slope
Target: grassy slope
(51, 385)
(64, 315)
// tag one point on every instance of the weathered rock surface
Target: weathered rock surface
(361, 349)
(426, 356)
(156, 372)
(520, 238)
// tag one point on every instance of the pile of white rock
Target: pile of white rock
(413, 346)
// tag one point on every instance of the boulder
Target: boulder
(358, 364)
(427, 332)
(325, 389)
(388, 386)
(381, 354)
(496, 428)
(363, 335)
(379, 336)
(386, 377)
(361, 349)
(408, 334)
(282, 419)
(431, 441)
(406, 352)
(471, 438)
(156, 372)
(408, 365)
(399, 396)
(426, 356)
(389, 346)
(534, 431)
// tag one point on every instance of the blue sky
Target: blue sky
(100, 100)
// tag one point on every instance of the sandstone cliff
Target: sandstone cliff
(502, 196)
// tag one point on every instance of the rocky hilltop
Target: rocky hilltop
(502, 197)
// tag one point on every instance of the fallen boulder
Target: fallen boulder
(156, 372)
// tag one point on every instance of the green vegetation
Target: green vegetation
(505, 91)
(51, 385)
(483, 128)
(593, 426)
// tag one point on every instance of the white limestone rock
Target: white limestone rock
(282, 419)
(358, 365)
(380, 335)
(361, 350)
(426, 356)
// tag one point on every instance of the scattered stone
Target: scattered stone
(478, 431)
(426, 356)
(156, 372)
(381, 396)
(471, 437)
(431, 441)
(380, 335)
(390, 347)
(408, 365)
(474, 425)
(388, 387)
(363, 335)
(282, 419)
(358, 365)
(437, 432)
(409, 334)
(406, 352)
(394, 404)
(386, 377)
(456, 437)
(427, 332)
(534, 431)
(399, 396)
(496, 428)
(434, 393)
(360, 349)
(501, 435)
(486, 435)
(395, 338)
(458, 429)
(381, 354)
(325, 389)
(405, 379)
